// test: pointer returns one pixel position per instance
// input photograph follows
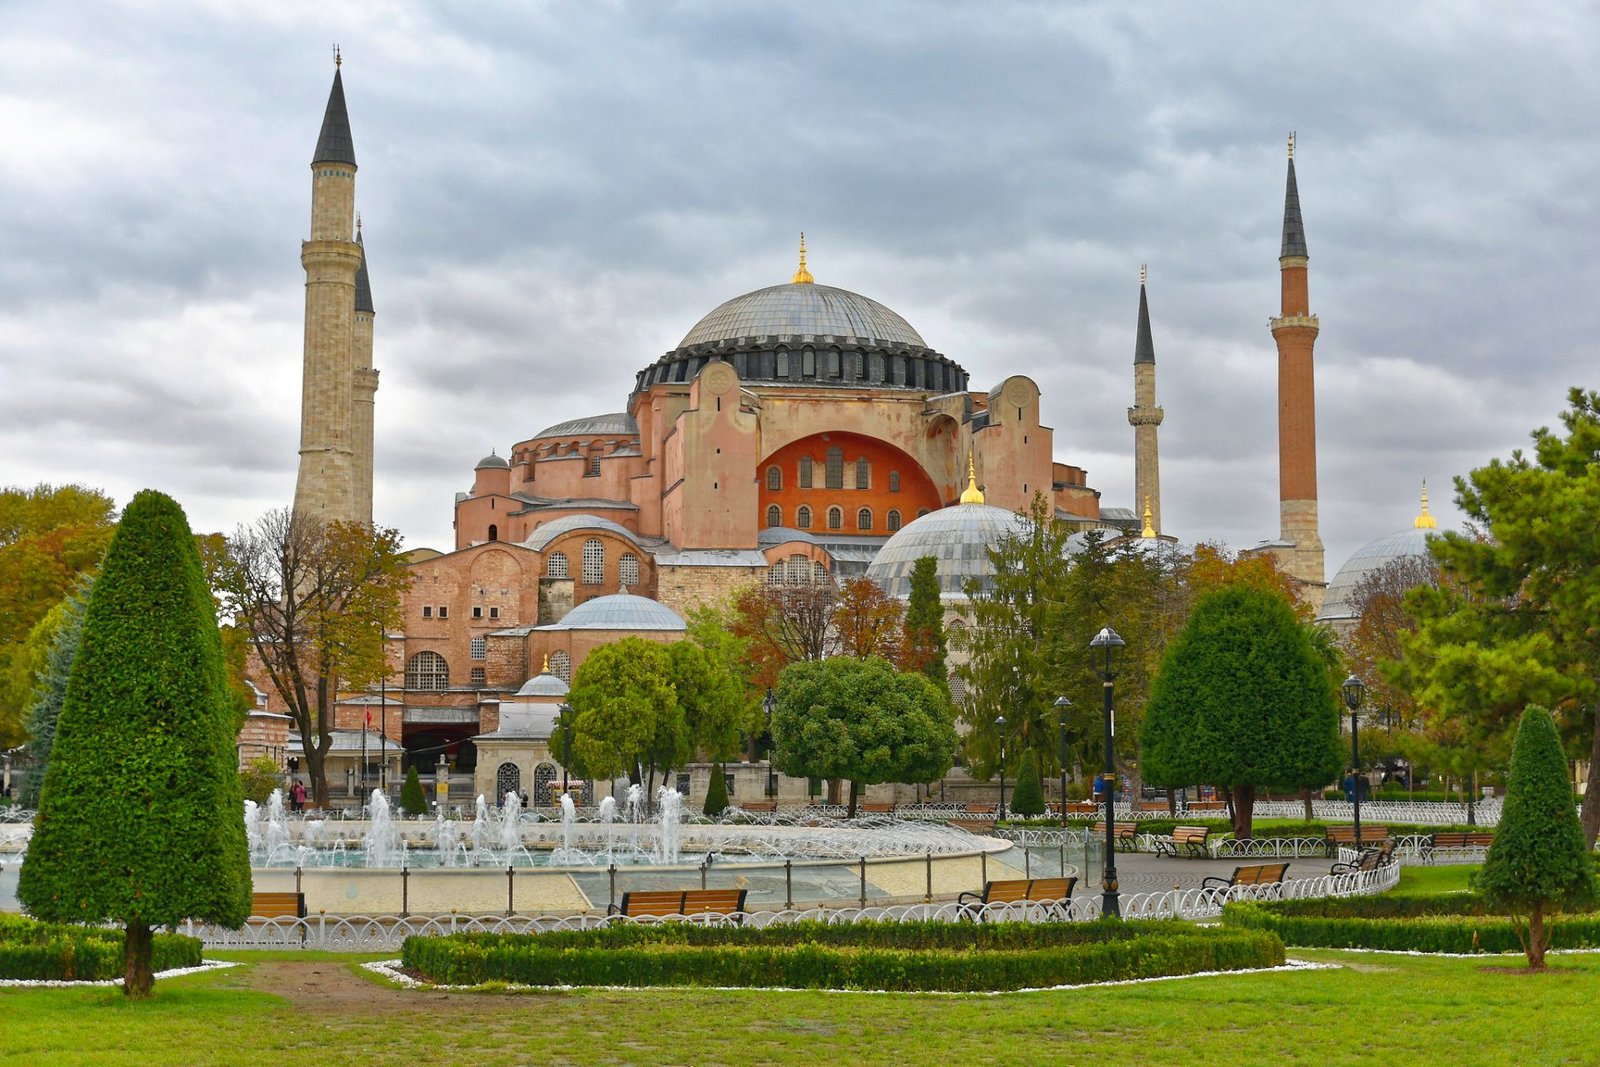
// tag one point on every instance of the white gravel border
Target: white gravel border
(53, 983)
(390, 969)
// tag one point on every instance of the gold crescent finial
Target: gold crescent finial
(546, 664)
(1424, 521)
(1143, 272)
(1149, 530)
(802, 276)
(1291, 144)
(338, 60)
(358, 224)
(971, 494)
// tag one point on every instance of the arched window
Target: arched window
(593, 470)
(799, 570)
(835, 472)
(893, 520)
(819, 573)
(805, 472)
(628, 569)
(802, 517)
(427, 670)
(781, 363)
(835, 518)
(776, 575)
(507, 779)
(774, 479)
(594, 562)
(774, 515)
(894, 481)
(863, 473)
(561, 666)
(480, 648)
(808, 362)
(556, 565)
(544, 781)
(864, 519)
(494, 532)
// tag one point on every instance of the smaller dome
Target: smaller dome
(619, 611)
(541, 536)
(958, 537)
(617, 423)
(543, 685)
(1339, 603)
(492, 460)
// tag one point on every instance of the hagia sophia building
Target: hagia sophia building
(798, 432)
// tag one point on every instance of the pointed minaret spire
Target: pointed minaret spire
(334, 144)
(363, 283)
(802, 276)
(1145, 416)
(1294, 231)
(1144, 349)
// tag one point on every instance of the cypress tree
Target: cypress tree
(1029, 797)
(140, 816)
(716, 793)
(925, 641)
(412, 799)
(1539, 862)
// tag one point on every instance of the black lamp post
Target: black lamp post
(1104, 649)
(1063, 707)
(1000, 725)
(1354, 688)
(772, 772)
(566, 743)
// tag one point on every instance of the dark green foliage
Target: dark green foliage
(1451, 922)
(1243, 700)
(140, 815)
(412, 800)
(925, 641)
(716, 793)
(50, 685)
(57, 952)
(899, 956)
(1029, 797)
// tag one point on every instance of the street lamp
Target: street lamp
(1000, 726)
(1103, 650)
(1063, 707)
(1354, 688)
(566, 743)
(772, 772)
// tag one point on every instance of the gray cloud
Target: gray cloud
(554, 194)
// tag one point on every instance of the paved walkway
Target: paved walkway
(1142, 872)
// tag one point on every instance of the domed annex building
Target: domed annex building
(1341, 608)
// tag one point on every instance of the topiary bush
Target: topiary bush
(716, 793)
(412, 800)
(913, 956)
(1029, 798)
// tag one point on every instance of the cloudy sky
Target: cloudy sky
(555, 192)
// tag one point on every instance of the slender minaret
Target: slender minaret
(366, 385)
(1144, 417)
(1295, 330)
(326, 487)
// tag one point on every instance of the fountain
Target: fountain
(669, 839)
(379, 842)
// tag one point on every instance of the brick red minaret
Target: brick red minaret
(1295, 330)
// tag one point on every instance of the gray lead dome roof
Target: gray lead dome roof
(804, 310)
(1339, 602)
(959, 537)
(619, 611)
(616, 423)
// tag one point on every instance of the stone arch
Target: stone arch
(507, 779)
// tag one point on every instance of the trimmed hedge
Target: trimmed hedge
(1455, 922)
(43, 951)
(912, 956)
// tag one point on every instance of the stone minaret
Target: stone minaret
(366, 385)
(327, 486)
(1144, 417)
(1295, 330)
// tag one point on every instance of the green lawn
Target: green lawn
(1424, 881)
(1432, 1011)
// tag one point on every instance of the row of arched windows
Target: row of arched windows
(833, 517)
(429, 670)
(796, 570)
(903, 369)
(556, 565)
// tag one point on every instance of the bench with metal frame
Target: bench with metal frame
(1371, 836)
(1021, 891)
(1456, 839)
(1369, 860)
(1191, 839)
(1252, 874)
(662, 903)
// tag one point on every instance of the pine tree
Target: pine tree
(1539, 862)
(139, 818)
(50, 687)
(716, 793)
(1029, 797)
(411, 796)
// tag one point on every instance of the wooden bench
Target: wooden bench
(1021, 891)
(1123, 832)
(1206, 805)
(875, 808)
(667, 902)
(1254, 874)
(1153, 805)
(1457, 839)
(1082, 807)
(1346, 835)
(982, 809)
(759, 806)
(277, 905)
(1369, 860)
(1192, 839)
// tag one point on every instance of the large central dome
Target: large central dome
(803, 311)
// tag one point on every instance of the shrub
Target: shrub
(1029, 798)
(40, 951)
(716, 793)
(412, 800)
(259, 779)
(956, 957)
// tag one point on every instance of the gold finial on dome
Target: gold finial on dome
(1143, 272)
(1149, 530)
(338, 60)
(971, 494)
(1424, 521)
(802, 276)
(1291, 144)
(546, 664)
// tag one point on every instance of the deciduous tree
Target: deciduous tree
(868, 621)
(139, 818)
(785, 624)
(627, 716)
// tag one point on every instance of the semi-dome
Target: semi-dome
(958, 537)
(803, 311)
(542, 535)
(616, 423)
(619, 611)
